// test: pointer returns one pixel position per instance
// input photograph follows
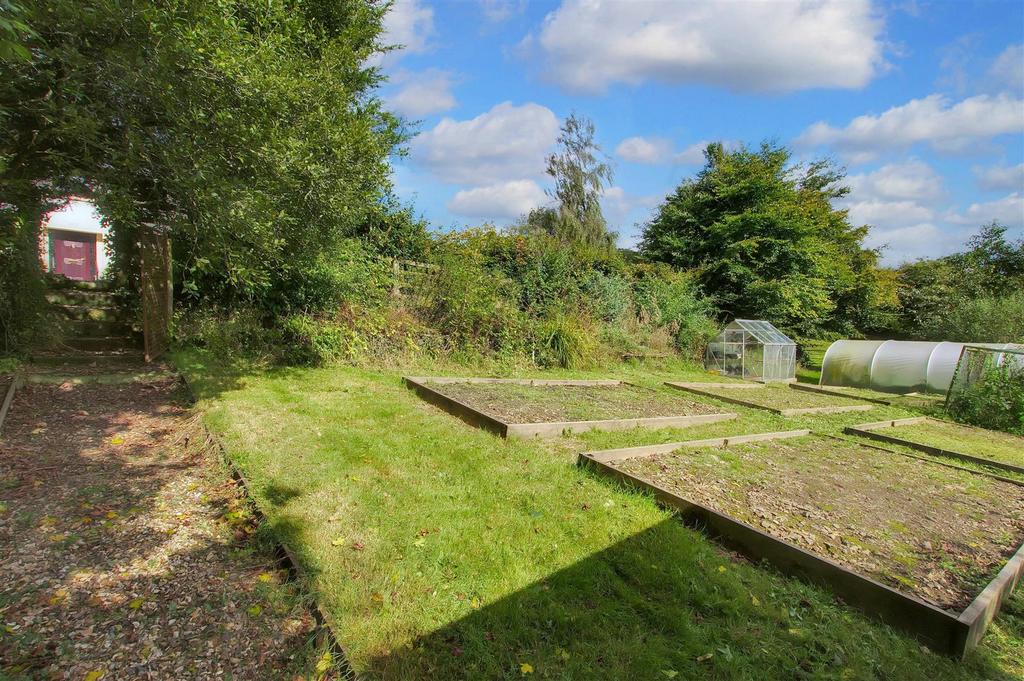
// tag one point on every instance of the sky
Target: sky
(922, 103)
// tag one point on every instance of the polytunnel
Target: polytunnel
(896, 366)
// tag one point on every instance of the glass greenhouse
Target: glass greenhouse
(895, 366)
(753, 350)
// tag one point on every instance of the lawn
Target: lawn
(441, 551)
(953, 437)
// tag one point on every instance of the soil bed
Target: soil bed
(952, 437)
(895, 399)
(779, 397)
(938, 533)
(515, 403)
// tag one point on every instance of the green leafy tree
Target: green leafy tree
(764, 241)
(249, 129)
(973, 295)
(580, 177)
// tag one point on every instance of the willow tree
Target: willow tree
(579, 176)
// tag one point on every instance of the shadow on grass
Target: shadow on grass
(628, 613)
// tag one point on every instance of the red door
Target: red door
(74, 255)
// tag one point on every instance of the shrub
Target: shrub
(995, 401)
(609, 296)
(988, 319)
(316, 341)
(563, 341)
(22, 290)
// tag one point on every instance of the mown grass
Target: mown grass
(441, 551)
(1001, 447)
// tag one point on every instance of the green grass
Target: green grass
(781, 396)
(809, 370)
(1001, 447)
(440, 551)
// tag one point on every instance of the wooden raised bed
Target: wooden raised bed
(7, 396)
(702, 389)
(486, 421)
(951, 633)
(870, 430)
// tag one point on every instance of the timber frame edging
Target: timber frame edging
(868, 430)
(477, 418)
(953, 634)
(698, 389)
(17, 380)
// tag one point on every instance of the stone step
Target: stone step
(54, 281)
(83, 328)
(78, 297)
(100, 314)
(112, 358)
(102, 343)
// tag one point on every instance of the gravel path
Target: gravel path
(127, 552)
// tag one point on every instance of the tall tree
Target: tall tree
(249, 128)
(580, 177)
(764, 240)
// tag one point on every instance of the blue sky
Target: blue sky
(922, 102)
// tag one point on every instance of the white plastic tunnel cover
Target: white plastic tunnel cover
(894, 366)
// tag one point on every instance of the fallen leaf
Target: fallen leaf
(563, 653)
(475, 603)
(705, 657)
(59, 596)
(755, 601)
(670, 673)
(117, 440)
(95, 675)
(265, 577)
(358, 546)
(721, 568)
(58, 537)
(338, 541)
(255, 611)
(136, 603)
(111, 514)
(525, 668)
(324, 663)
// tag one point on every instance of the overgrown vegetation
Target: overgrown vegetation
(995, 400)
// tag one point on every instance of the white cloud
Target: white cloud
(648, 150)
(933, 120)
(617, 204)
(421, 94)
(497, 11)
(1001, 177)
(1008, 68)
(657, 150)
(499, 201)
(693, 155)
(910, 180)
(904, 244)
(775, 46)
(409, 24)
(506, 143)
(1008, 211)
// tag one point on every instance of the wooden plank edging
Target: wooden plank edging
(868, 430)
(16, 382)
(790, 411)
(475, 417)
(610, 455)
(953, 634)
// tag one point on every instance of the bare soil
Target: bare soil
(513, 403)
(125, 549)
(939, 533)
(987, 444)
(783, 397)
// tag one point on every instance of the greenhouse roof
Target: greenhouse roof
(762, 331)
